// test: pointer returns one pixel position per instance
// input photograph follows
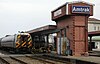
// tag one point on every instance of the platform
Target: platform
(87, 59)
(79, 60)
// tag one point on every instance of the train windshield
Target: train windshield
(23, 37)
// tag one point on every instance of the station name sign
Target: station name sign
(81, 9)
(58, 12)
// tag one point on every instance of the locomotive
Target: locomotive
(18, 42)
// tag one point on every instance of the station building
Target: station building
(71, 28)
(94, 27)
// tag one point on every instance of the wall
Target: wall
(93, 26)
(76, 30)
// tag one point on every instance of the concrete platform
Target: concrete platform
(79, 60)
(91, 59)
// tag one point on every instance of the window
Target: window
(98, 28)
(94, 27)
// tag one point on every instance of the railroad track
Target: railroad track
(25, 60)
(30, 59)
(49, 60)
(9, 60)
(42, 60)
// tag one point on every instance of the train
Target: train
(21, 42)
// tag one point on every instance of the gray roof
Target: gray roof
(93, 19)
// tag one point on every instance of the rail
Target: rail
(49, 60)
(41, 59)
(10, 60)
(4, 61)
(18, 60)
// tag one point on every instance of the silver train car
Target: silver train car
(18, 42)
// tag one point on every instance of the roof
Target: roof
(95, 38)
(79, 2)
(93, 19)
(73, 2)
(94, 33)
(44, 29)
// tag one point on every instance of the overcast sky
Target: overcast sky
(24, 15)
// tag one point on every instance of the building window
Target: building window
(98, 28)
(94, 27)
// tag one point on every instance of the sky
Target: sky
(25, 15)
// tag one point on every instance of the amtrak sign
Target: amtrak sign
(81, 9)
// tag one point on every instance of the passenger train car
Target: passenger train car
(17, 43)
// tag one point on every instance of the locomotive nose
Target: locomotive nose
(24, 42)
(27, 42)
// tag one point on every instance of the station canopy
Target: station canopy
(49, 29)
(94, 33)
